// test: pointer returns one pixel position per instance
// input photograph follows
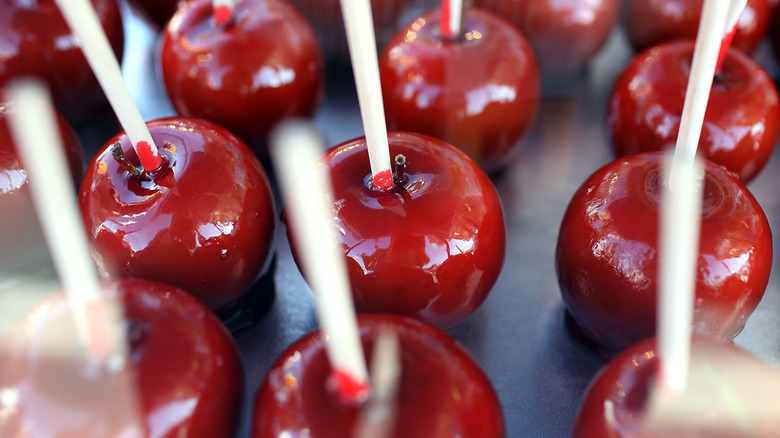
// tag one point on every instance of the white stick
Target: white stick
(40, 148)
(296, 149)
(678, 254)
(705, 55)
(452, 18)
(84, 23)
(736, 7)
(680, 213)
(365, 65)
(378, 417)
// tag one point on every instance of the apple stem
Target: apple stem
(451, 19)
(119, 155)
(400, 166)
(224, 12)
(736, 7)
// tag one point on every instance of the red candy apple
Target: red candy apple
(606, 258)
(247, 75)
(433, 246)
(19, 232)
(479, 93)
(326, 18)
(186, 370)
(736, 391)
(740, 125)
(564, 34)
(35, 40)
(442, 391)
(650, 22)
(204, 222)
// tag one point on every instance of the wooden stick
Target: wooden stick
(296, 150)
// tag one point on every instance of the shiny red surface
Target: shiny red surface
(615, 401)
(479, 94)
(246, 76)
(649, 22)
(190, 377)
(188, 373)
(606, 256)
(565, 34)
(204, 223)
(433, 247)
(442, 393)
(741, 122)
(35, 40)
(156, 11)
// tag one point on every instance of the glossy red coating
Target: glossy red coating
(442, 393)
(650, 22)
(616, 399)
(245, 76)
(431, 248)
(565, 34)
(204, 222)
(158, 12)
(188, 373)
(741, 122)
(606, 257)
(479, 94)
(36, 40)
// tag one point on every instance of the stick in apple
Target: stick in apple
(377, 417)
(84, 23)
(365, 65)
(736, 7)
(223, 11)
(34, 129)
(451, 19)
(679, 223)
(296, 150)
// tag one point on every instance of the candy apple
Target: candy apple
(478, 93)
(650, 22)
(183, 366)
(19, 232)
(433, 246)
(438, 380)
(158, 12)
(606, 258)
(564, 34)
(326, 18)
(740, 125)
(204, 222)
(247, 75)
(35, 40)
(730, 393)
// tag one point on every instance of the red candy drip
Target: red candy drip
(724, 47)
(148, 155)
(223, 15)
(384, 180)
(348, 390)
(446, 20)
